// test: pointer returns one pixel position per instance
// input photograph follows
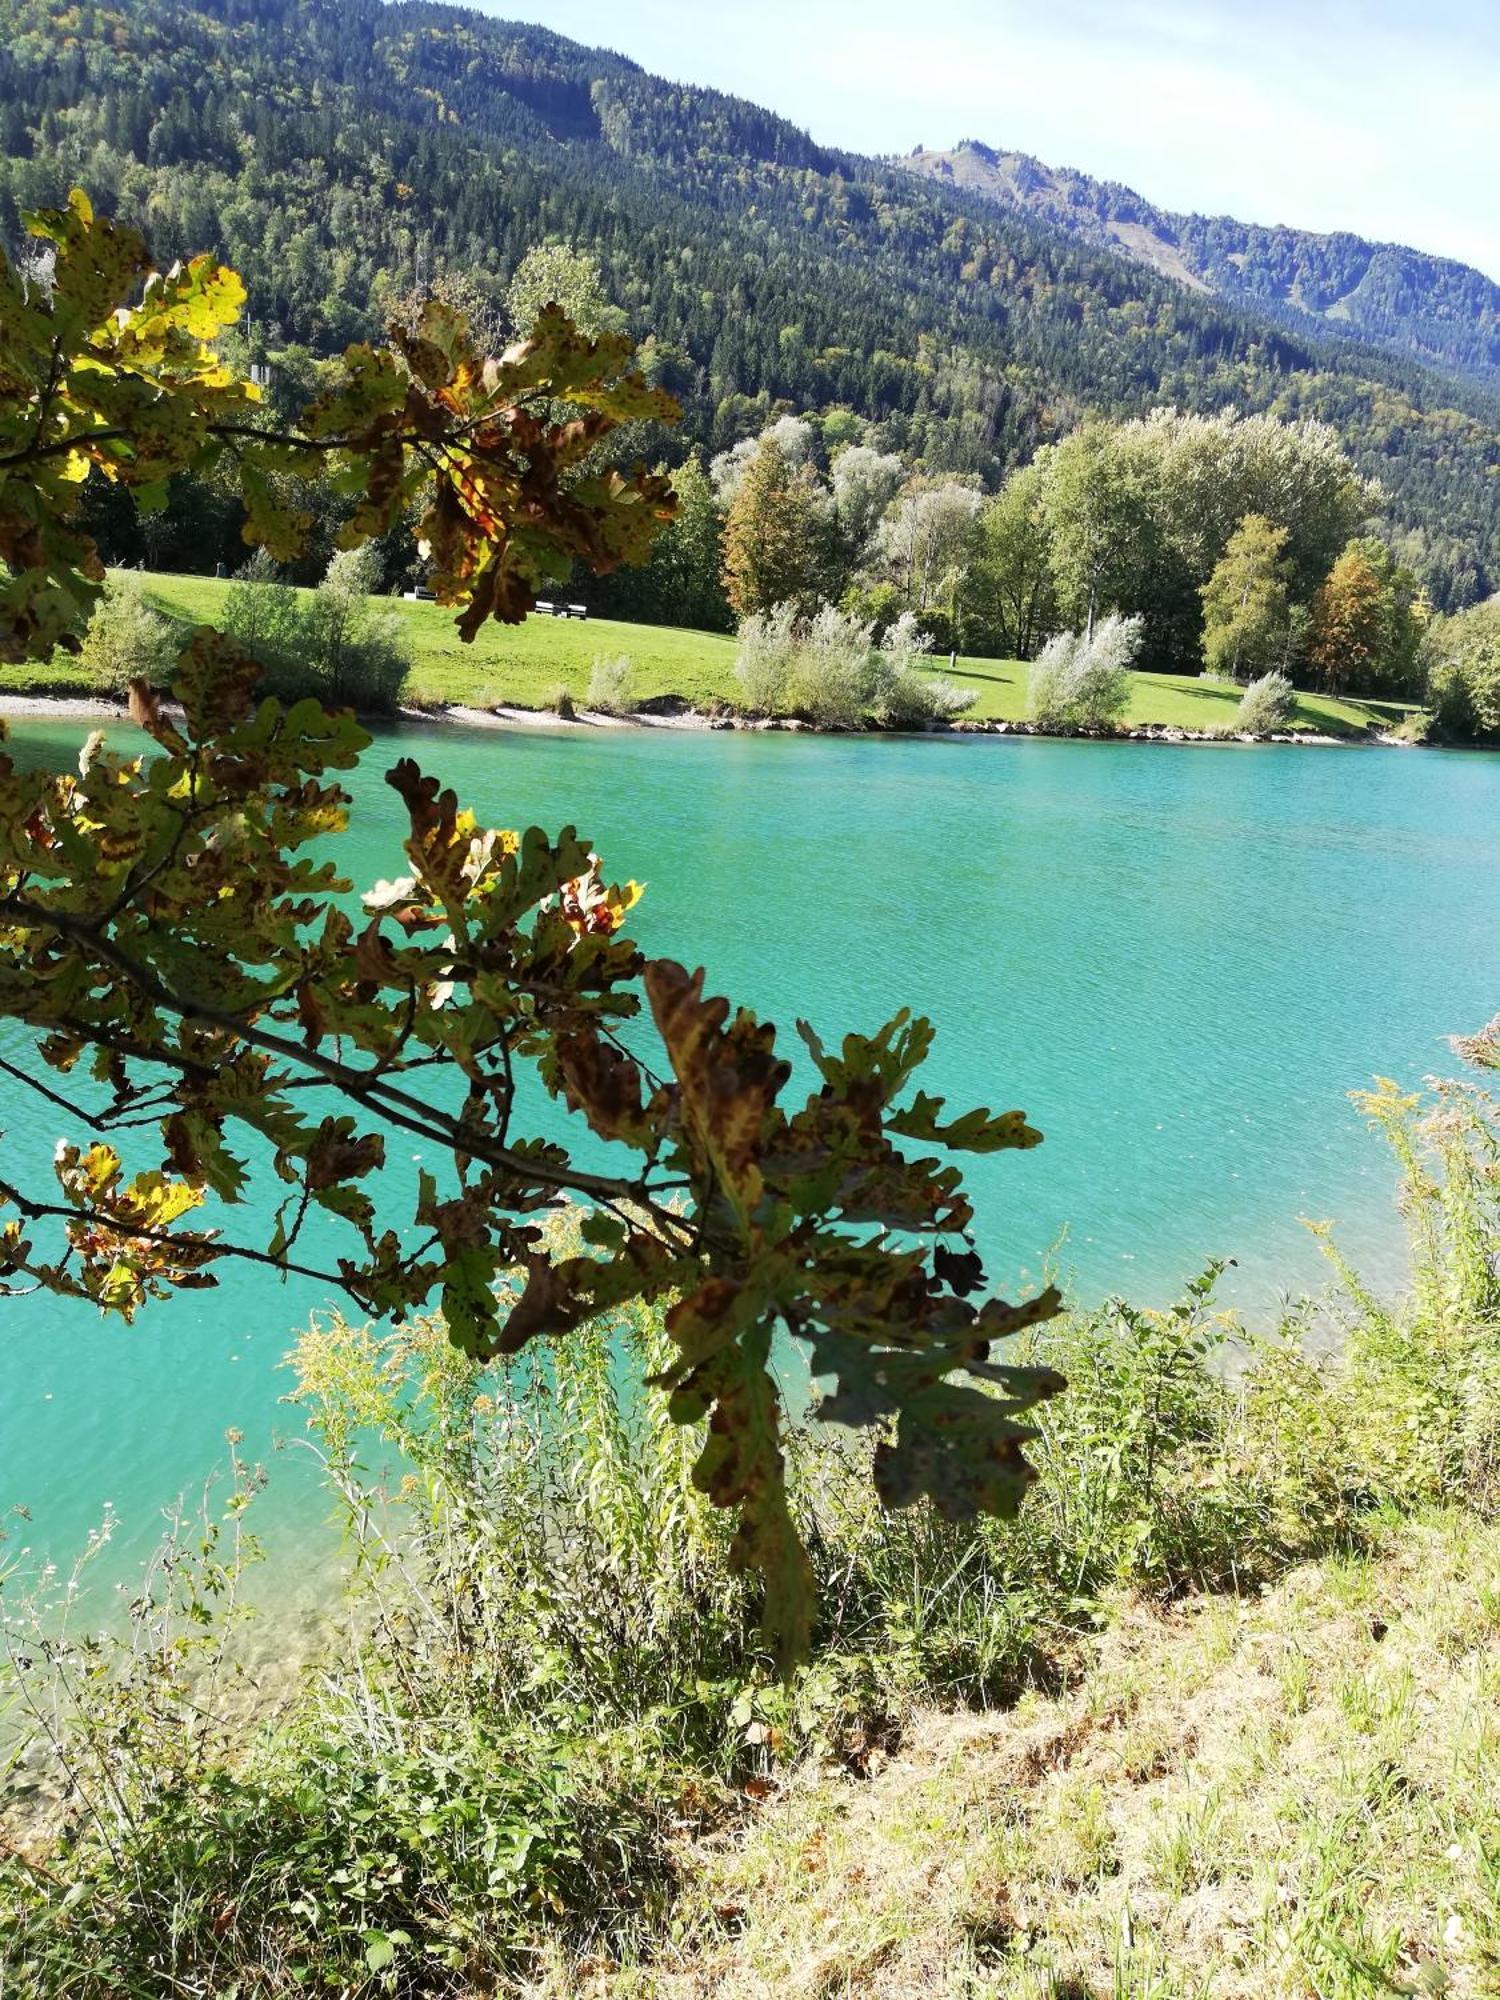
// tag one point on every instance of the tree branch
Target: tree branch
(378, 1097)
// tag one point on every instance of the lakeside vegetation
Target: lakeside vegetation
(1216, 1715)
(525, 665)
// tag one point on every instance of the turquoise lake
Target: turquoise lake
(1178, 961)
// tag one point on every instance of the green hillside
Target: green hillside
(1433, 308)
(337, 153)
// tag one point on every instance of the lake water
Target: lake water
(1178, 961)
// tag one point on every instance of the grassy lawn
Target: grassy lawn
(522, 665)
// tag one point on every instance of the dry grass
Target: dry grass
(1292, 1795)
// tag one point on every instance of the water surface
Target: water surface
(1178, 961)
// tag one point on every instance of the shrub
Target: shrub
(832, 681)
(904, 695)
(767, 658)
(1049, 681)
(127, 639)
(333, 642)
(1101, 671)
(560, 701)
(611, 689)
(1082, 681)
(1266, 705)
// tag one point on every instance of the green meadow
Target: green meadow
(525, 665)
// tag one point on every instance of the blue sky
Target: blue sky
(1381, 116)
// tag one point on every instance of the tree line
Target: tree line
(1237, 546)
(339, 156)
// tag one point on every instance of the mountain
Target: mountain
(332, 150)
(1435, 308)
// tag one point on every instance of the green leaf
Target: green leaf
(380, 1950)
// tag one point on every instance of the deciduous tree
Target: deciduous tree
(1010, 596)
(1098, 522)
(1246, 610)
(774, 536)
(1368, 621)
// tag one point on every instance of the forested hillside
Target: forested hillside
(337, 153)
(1432, 307)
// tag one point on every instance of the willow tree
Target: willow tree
(206, 993)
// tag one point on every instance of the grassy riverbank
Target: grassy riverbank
(523, 666)
(1277, 1794)
(1216, 1718)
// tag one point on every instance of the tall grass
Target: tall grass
(550, 1670)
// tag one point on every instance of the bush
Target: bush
(829, 669)
(1083, 682)
(1048, 682)
(335, 642)
(905, 695)
(127, 639)
(611, 689)
(832, 683)
(767, 658)
(1266, 705)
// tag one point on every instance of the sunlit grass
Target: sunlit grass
(525, 665)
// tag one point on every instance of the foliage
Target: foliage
(1266, 705)
(1464, 672)
(683, 583)
(905, 695)
(490, 1764)
(1098, 521)
(1246, 611)
(863, 481)
(162, 929)
(1367, 622)
(926, 541)
(127, 638)
(772, 535)
(766, 659)
(829, 669)
(1083, 682)
(1425, 1380)
(555, 274)
(336, 643)
(792, 437)
(831, 685)
(180, 948)
(134, 394)
(1011, 597)
(336, 162)
(612, 684)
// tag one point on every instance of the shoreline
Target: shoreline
(673, 713)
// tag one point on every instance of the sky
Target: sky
(1378, 116)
